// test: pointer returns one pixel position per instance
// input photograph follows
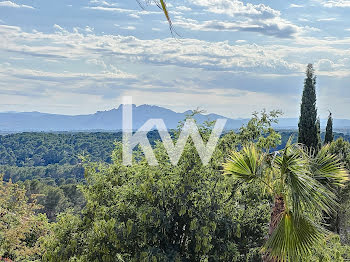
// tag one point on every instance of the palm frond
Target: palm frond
(161, 4)
(298, 183)
(245, 165)
(327, 168)
(293, 238)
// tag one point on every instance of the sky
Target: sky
(230, 57)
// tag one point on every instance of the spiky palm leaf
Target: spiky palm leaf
(293, 238)
(245, 165)
(298, 185)
(328, 169)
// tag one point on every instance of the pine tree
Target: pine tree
(329, 130)
(309, 124)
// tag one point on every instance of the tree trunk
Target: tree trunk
(276, 215)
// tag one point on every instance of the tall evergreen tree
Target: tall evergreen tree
(329, 130)
(309, 124)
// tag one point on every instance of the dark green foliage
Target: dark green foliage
(18, 161)
(328, 138)
(51, 174)
(340, 222)
(341, 147)
(42, 149)
(285, 135)
(166, 213)
(330, 250)
(309, 125)
(55, 199)
(187, 212)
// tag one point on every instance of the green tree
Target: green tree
(309, 125)
(330, 249)
(20, 228)
(187, 212)
(341, 223)
(191, 212)
(299, 188)
(329, 130)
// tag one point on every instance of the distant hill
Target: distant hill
(111, 120)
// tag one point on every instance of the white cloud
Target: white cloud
(71, 64)
(198, 68)
(183, 8)
(134, 16)
(110, 9)
(58, 27)
(102, 2)
(129, 27)
(295, 6)
(328, 19)
(325, 65)
(186, 53)
(98, 62)
(237, 8)
(311, 29)
(276, 27)
(243, 17)
(14, 5)
(121, 10)
(336, 3)
(112, 74)
(89, 29)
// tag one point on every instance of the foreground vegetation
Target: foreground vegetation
(187, 212)
(262, 197)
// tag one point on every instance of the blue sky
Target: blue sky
(232, 57)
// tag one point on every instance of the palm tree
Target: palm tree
(300, 184)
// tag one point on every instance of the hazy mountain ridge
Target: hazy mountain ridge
(112, 120)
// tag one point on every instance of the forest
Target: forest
(54, 158)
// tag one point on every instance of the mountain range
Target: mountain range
(111, 120)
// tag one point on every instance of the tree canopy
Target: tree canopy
(329, 130)
(309, 124)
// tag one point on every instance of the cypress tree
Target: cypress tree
(329, 130)
(309, 124)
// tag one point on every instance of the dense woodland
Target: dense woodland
(262, 197)
(43, 149)
(54, 158)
